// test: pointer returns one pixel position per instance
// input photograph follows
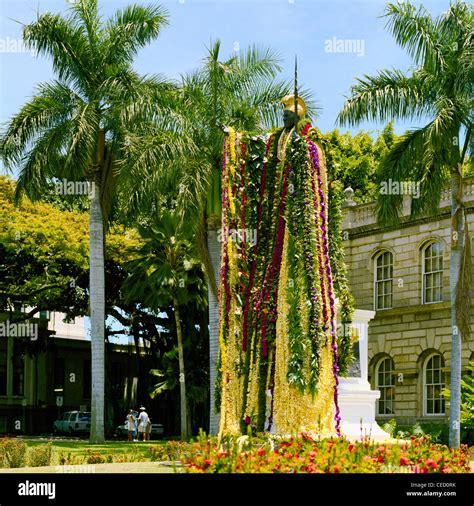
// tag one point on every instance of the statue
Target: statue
(280, 353)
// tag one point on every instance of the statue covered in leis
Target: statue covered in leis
(280, 351)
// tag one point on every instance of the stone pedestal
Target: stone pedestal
(356, 400)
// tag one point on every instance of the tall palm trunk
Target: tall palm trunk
(182, 379)
(97, 304)
(457, 244)
(213, 308)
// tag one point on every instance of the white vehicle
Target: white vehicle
(73, 422)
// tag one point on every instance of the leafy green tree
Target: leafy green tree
(354, 160)
(93, 123)
(440, 88)
(166, 271)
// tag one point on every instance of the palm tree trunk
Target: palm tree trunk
(214, 252)
(97, 306)
(457, 245)
(182, 379)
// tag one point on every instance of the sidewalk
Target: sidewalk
(122, 468)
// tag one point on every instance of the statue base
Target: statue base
(357, 404)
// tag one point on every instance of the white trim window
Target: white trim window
(434, 383)
(383, 280)
(432, 268)
(385, 382)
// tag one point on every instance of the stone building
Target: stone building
(402, 273)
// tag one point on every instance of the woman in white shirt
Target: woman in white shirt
(130, 424)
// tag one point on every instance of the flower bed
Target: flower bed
(305, 455)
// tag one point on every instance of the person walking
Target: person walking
(148, 429)
(142, 423)
(130, 424)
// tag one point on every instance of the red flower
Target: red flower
(208, 462)
(446, 470)
(260, 452)
(404, 461)
(312, 454)
(350, 447)
(336, 469)
(420, 470)
(432, 463)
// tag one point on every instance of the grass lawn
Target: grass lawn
(79, 448)
(81, 456)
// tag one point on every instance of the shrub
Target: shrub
(69, 459)
(13, 453)
(171, 450)
(39, 456)
(94, 457)
(390, 427)
(303, 454)
(133, 456)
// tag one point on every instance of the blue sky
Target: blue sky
(290, 27)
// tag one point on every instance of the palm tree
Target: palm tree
(166, 271)
(87, 125)
(440, 88)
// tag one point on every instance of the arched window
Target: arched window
(432, 265)
(383, 280)
(385, 382)
(434, 383)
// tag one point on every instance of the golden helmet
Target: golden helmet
(289, 102)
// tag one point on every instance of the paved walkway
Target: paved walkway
(122, 468)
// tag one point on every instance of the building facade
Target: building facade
(36, 388)
(402, 273)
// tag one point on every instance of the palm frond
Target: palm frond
(398, 166)
(414, 30)
(388, 95)
(40, 163)
(65, 42)
(456, 23)
(51, 106)
(257, 62)
(86, 13)
(130, 29)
